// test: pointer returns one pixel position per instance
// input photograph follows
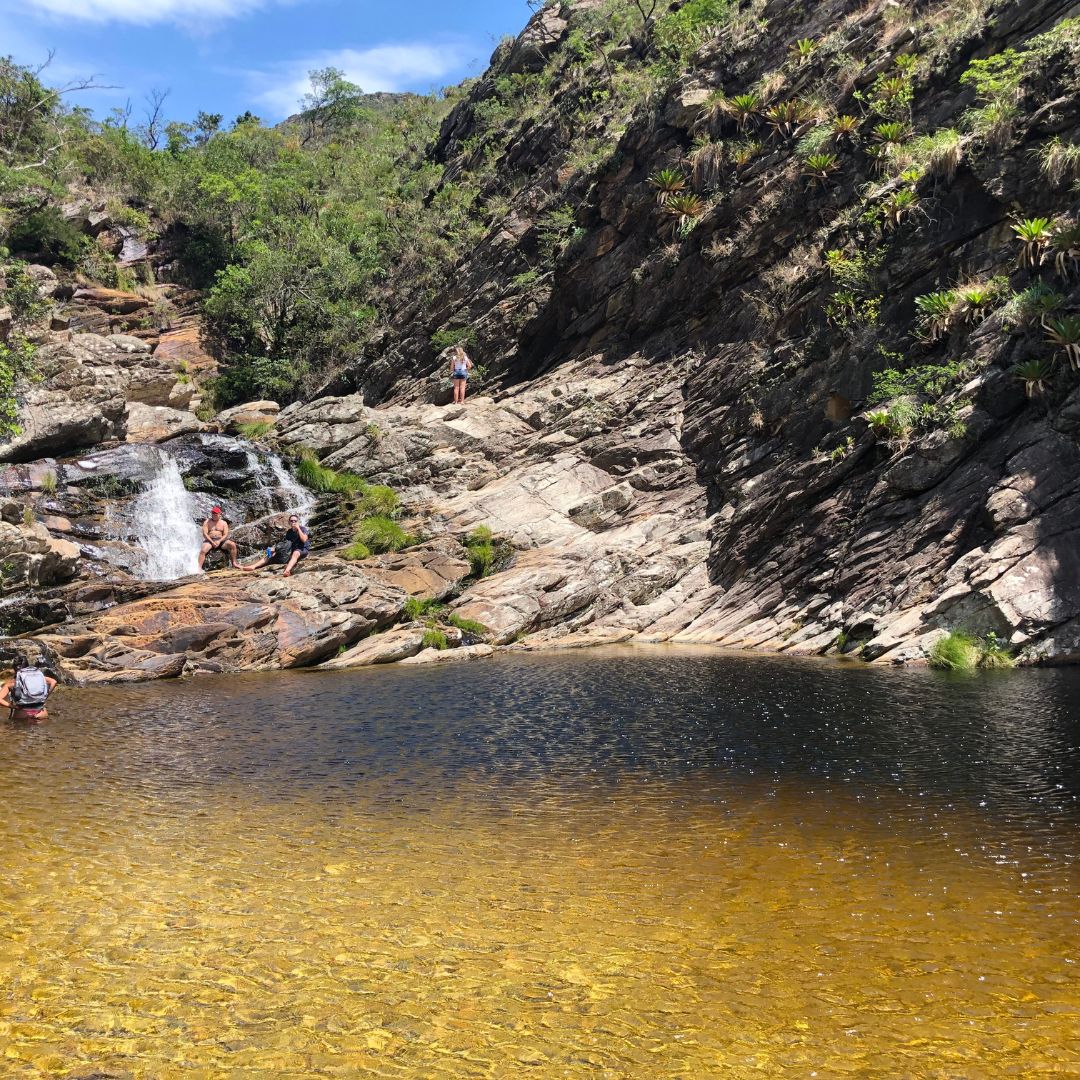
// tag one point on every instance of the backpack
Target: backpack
(30, 690)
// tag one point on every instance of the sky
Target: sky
(226, 56)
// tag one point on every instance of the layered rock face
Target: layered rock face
(757, 335)
(736, 419)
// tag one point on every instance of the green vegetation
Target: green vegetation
(459, 335)
(355, 552)
(416, 608)
(48, 482)
(381, 534)
(667, 183)
(378, 500)
(1035, 375)
(317, 477)
(434, 639)
(255, 430)
(467, 626)
(480, 548)
(1064, 334)
(961, 651)
(1034, 236)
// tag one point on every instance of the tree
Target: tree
(33, 120)
(206, 126)
(153, 129)
(331, 106)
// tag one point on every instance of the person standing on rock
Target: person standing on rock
(215, 530)
(298, 539)
(25, 693)
(460, 366)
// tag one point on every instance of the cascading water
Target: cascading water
(286, 494)
(164, 522)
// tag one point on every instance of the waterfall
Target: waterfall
(285, 494)
(164, 521)
(297, 496)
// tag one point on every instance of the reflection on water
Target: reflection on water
(631, 864)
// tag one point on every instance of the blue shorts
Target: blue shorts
(464, 376)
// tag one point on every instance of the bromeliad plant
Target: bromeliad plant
(898, 205)
(936, 311)
(791, 119)
(684, 212)
(1064, 333)
(820, 167)
(744, 108)
(1034, 235)
(667, 183)
(844, 129)
(1035, 375)
(1066, 247)
(803, 49)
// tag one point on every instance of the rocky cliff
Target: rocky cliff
(777, 349)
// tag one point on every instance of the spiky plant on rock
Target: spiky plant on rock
(820, 167)
(1064, 333)
(936, 311)
(1065, 244)
(1035, 375)
(1034, 235)
(667, 183)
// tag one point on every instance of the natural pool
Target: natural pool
(633, 863)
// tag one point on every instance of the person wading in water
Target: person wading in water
(215, 530)
(25, 693)
(460, 366)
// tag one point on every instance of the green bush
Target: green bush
(468, 626)
(459, 335)
(48, 235)
(317, 477)
(480, 549)
(381, 534)
(255, 430)
(957, 651)
(417, 607)
(16, 362)
(378, 500)
(355, 552)
(434, 639)
(961, 651)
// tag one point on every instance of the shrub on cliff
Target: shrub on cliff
(381, 534)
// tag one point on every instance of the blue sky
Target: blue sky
(230, 55)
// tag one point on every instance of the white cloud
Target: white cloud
(145, 12)
(380, 68)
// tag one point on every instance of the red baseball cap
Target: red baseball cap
(215, 509)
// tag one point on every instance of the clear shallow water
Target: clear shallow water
(624, 864)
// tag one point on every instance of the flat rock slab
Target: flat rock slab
(447, 656)
(385, 648)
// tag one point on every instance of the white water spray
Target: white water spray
(164, 523)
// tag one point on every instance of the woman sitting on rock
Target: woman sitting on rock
(460, 366)
(294, 546)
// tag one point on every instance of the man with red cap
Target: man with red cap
(215, 530)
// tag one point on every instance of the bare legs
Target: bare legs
(459, 391)
(294, 558)
(228, 546)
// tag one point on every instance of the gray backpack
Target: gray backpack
(30, 690)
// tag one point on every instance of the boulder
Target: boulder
(443, 656)
(29, 555)
(45, 279)
(385, 648)
(182, 351)
(157, 423)
(251, 412)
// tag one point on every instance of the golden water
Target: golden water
(613, 866)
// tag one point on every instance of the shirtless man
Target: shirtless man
(215, 530)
